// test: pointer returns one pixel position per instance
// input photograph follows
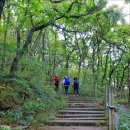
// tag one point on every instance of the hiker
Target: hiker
(75, 86)
(66, 83)
(56, 80)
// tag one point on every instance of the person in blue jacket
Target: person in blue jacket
(66, 83)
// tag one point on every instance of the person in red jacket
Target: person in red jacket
(56, 80)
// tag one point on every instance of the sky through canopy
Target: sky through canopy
(125, 7)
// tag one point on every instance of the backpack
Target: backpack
(77, 83)
(67, 81)
(56, 79)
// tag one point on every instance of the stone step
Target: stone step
(81, 101)
(73, 128)
(86, 109)
(80, 112)
(83, 118)
(80, 115)
(83, 105)
(79, 98)
(77, 122)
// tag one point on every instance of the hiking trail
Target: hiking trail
(81, 114)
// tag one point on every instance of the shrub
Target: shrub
(29, 102)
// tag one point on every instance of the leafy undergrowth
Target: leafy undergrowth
(123, 117)
(28, 102)
(122, 113)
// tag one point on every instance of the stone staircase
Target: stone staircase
(81, 113)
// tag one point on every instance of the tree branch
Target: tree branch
(91, 11)
(57, 1)
(64, 29)
(113, 43)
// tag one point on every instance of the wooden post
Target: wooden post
(111, 109)
(109, 103)
(107, 97)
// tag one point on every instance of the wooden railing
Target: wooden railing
(111, 108)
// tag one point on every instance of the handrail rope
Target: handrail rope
(123, 111)
(111, 107)
(93, 86)
(101, 93)
(116, 121)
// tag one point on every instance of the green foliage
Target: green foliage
(5, 129)
(127, 1)
(94, 44)
(29, 102)
(123, 119)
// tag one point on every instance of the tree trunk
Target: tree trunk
(19, 54)
(43, 48)
(79, 68)
(2, 2)
(93, 64)
(106, 65)
(67, 66)
(43, 56)
(54, 54)
(4, 51)
(5, 36)
(129, 80)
